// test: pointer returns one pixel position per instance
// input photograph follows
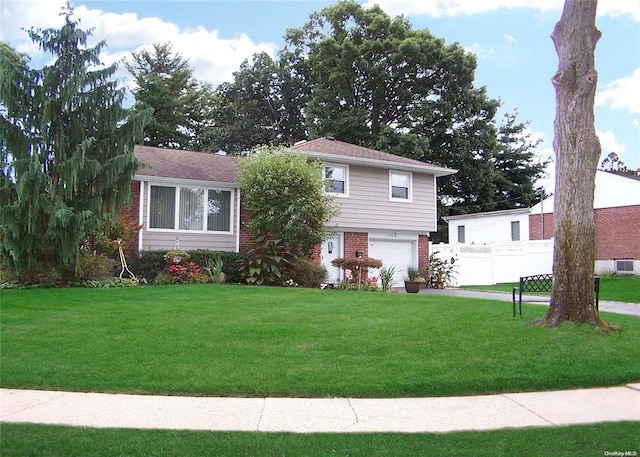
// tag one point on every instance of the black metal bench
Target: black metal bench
(542, 283)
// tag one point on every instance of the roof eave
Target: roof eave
(377, 163)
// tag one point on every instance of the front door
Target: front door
(332, 249)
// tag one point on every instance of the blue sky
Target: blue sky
(511, 39)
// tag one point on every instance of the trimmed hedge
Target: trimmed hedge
(150, 263)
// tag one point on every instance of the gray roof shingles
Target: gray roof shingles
(326, 147)
(180, 164)
(202, 166)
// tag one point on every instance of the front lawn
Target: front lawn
(612, 288)
(258, 341)
(584, 440)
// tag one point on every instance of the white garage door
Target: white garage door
(398, 253)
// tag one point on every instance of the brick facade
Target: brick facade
(131, 212)
(423, 253)
(617, 232)
(538, 223)
(246, 235)
(356, 241)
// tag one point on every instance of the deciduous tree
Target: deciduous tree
(577, 151)
(375, 81)
(282, 191)
(67, 148)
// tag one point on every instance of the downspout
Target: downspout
(141, 216)
(237, 220)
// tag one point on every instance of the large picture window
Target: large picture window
(190, 209)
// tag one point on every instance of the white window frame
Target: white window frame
(344, 194)
(409, 175)
(176, 222)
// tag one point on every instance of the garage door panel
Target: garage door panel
(397, 253)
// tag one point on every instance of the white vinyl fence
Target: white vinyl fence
(492, 263)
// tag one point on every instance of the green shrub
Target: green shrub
(230, 261)
(308, 274)
(270, 262)
(96, 267)
(41, 274)
(164, 278)
(148, 264)
(441, 272)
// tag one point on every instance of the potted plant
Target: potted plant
(413, 282)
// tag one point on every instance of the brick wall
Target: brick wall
(246, 235)
(423, 253)
(132, 213)
(535, 226)
(617, 231)
(356, 241)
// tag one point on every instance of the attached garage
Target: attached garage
(399, 253)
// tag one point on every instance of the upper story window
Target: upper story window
(190, 209)
(400, 186)
(336, 179)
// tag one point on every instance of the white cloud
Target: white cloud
(609, 143)
(480, 51)
(510, 38)
(440, 8)
(213, 58)
(623, 93)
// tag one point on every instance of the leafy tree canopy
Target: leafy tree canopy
(67, 148)
(282, 192)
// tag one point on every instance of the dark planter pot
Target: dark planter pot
(413, 287)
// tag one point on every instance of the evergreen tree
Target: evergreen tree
(67, 148)
(517, 169)
(166, 84)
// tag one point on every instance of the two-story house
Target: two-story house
(387, 203)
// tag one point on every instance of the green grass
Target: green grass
(585, 440)
(612, 288)
(257, 341)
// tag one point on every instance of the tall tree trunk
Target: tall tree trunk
(577, 151)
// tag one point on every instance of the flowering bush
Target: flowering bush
(184, 273)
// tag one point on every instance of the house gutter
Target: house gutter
(238, 219)
(141, 216)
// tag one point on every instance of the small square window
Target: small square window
(399, 186)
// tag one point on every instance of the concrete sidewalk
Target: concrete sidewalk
(331, 415)
(632, 309)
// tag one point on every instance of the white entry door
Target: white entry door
(332, 249)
